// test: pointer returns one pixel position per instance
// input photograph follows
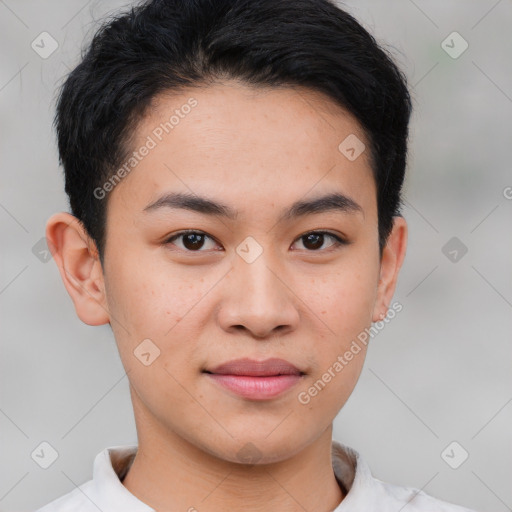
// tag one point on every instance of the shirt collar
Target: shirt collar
(354, 475)
(111, 465)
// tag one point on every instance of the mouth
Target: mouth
(256, 380)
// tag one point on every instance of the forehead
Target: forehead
(299, 116)
(247, 143)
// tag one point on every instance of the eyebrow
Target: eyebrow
(330, 202)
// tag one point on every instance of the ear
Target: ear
(77, 257)
(393, 255)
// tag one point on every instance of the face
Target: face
(282, 262)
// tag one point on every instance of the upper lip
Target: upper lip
(253, 368)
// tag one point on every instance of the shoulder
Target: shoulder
(416, 500)
(77, 501)
(367, 493)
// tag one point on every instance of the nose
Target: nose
(259, 298)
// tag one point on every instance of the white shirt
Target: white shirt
(364, 493)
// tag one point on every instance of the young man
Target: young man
(234, 170)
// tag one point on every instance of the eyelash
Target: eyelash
(338, 241)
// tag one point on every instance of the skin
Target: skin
(257, 151)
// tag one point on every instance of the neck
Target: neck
(169, 473)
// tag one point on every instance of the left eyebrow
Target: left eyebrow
(331, 202)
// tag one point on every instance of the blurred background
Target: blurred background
(433, 406)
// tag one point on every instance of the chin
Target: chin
(257, 450)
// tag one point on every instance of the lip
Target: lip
(253, 368)
(256, 380)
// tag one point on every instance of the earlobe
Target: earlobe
(392, 258)
(79, 266)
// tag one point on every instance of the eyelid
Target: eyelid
(169, 239)
(339, 239)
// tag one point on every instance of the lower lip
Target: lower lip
(256, 388)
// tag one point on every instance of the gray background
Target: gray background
(439, 372)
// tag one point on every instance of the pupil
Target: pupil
(193, 241)
(313, 237)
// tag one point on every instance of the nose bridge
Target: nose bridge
(257, 280)
(258, 299)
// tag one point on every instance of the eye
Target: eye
(314, 240)
(192, 241)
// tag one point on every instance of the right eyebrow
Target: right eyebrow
(194, 203)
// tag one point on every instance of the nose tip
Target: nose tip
(264, 333)
(257, 300)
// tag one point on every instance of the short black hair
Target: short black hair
(170, 45)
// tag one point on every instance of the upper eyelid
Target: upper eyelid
(190, 232)
(340, 239)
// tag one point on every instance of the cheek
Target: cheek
(342, 303)
(343, 300)
(149, 318)
(149, 298)
(154, 303)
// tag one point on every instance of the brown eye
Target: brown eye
(192, 241)
(315, 240)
